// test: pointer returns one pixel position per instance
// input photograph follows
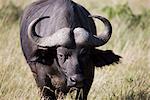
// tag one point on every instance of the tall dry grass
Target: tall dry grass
(128, 80)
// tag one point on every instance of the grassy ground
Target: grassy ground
(129, 80)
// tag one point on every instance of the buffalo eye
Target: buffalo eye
(60, 56)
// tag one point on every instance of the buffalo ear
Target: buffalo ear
(101, 58)
(44, 56)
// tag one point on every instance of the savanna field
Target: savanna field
(128, 80)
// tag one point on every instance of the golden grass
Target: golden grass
(129, 80)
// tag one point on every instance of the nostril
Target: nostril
(72, 79)
(76, 80)
(71, 82)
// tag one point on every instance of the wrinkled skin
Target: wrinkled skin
(57, 69)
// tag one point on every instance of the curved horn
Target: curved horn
(105, 36)
(33, 36)
(60, 37)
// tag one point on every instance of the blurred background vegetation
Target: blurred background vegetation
(129, 80)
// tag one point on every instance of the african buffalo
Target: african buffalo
(58, 39)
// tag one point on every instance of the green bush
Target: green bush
(125, 13)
